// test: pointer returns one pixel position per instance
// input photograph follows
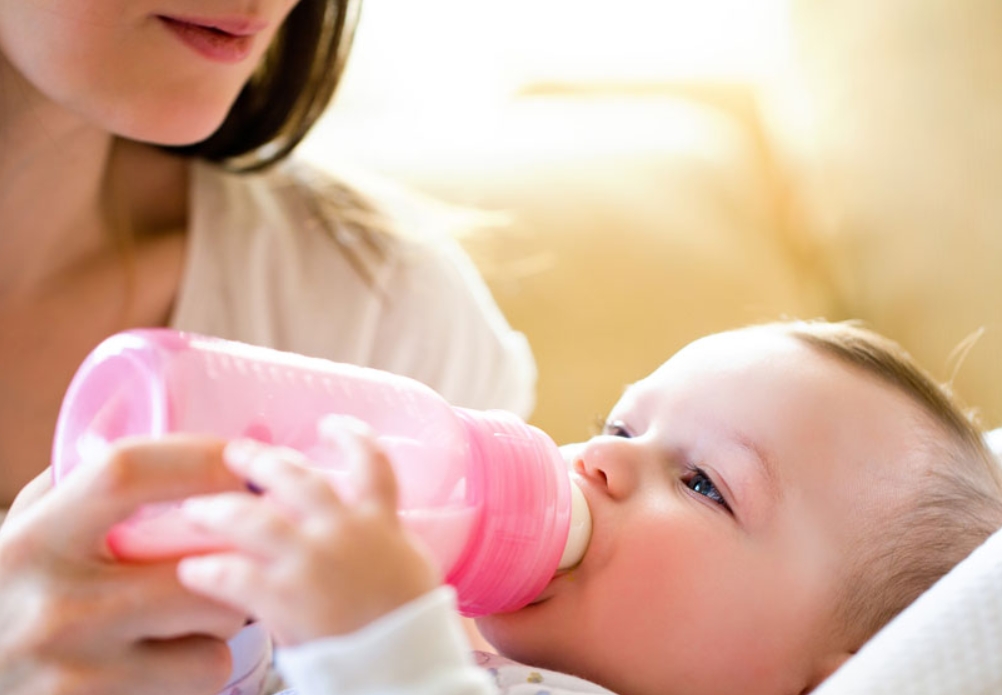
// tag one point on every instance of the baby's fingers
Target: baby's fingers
(233, 579)
(285, 474)
(372, 472)
(243, 522)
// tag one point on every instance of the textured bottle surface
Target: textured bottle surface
(152, 383)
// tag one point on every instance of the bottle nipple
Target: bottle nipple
(580, 530)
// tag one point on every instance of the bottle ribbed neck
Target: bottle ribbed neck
(519, 479)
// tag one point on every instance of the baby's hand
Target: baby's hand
(304, 561)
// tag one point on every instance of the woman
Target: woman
(123, 126)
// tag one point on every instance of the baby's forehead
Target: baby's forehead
(738, 354)
(772, 386)
(743, 343)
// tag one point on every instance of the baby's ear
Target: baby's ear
(826, 666)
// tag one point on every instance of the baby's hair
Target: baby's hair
(956, 502)
(290, 90)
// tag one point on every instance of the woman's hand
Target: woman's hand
(72, 618)
(305, 561)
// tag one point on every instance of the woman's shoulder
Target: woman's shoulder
(293, 203)
(298, 258)
(322, 216)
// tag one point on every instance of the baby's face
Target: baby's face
(729, 491)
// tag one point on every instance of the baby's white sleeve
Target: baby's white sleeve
(419, 649)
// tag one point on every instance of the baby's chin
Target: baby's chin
(567, 661)
(526, 636)
(545, 595)
(562, 581)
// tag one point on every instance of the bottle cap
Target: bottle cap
(116, 392)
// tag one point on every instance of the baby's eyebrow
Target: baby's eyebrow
(766, 464)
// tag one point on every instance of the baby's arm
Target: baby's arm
(419, 649)
(349, 595)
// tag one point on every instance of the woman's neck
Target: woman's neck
(51, 215)
(55, 169)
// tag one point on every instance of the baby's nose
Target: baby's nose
(612, 463)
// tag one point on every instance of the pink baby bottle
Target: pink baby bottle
(489, 494)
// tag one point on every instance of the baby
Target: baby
(762, 503)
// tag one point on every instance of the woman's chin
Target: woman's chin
(169, 137)
(169, 127)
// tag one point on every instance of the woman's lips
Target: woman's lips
(219, 40)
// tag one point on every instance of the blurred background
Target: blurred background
(655, 170)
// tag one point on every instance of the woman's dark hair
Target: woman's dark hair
(290, 90)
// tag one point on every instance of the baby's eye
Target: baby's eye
(701, 484)
(616, 428)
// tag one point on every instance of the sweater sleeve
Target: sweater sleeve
(419, 649)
